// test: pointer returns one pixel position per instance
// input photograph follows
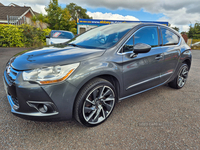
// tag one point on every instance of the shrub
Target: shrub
(22, 36)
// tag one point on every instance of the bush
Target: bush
(22, 36)
(195, 40)
(197, 47)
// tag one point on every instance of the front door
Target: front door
(143, 71)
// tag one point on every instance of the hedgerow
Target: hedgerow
(22, 36)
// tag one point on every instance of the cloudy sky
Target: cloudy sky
(180, 13)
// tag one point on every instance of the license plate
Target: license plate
(5, 86)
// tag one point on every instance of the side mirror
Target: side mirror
(47, 36)
(141, 48)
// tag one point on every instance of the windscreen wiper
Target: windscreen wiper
(72, 44)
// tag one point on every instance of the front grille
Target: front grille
(15, 101)
(11, 74)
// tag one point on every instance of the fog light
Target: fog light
(42, 108)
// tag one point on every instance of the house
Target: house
(185, 37)
(14, 13)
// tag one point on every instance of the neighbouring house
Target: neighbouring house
(15, 14)
(185, 37)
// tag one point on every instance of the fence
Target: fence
(16, 20)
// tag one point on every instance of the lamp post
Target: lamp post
(77, 14)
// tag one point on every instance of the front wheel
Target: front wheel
(95, 102)
(181, 78)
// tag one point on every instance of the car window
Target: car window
(147, 35)
(169, 38)
(62, 35)
(102, 37)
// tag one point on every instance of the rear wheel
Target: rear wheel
(95, 102)
(181, 78)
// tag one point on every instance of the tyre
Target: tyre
(95, 102)
(180, 80)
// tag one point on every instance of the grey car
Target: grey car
(85, 77)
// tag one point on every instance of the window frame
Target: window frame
(120, 51)
(179, 39)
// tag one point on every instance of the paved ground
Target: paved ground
(162, 118)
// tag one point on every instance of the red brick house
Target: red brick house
(14, 10)
(185, 37)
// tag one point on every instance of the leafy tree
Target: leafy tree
(194, 32)
(34, 19)
(40, 18)
(65, 21)
(176, 28)
(77, 12)
(54, 14)
(58, 18)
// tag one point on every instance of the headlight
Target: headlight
(49, 75)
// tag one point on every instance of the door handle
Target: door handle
(158, 57)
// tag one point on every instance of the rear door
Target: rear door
(143, 71)
(171, 53)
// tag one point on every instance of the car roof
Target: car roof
(62, 31)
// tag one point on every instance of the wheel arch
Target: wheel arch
(188, 62)
(111, 78)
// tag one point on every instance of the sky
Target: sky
(179, 13)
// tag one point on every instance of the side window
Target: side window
(129, 45)
(147, 35)
(169, 38)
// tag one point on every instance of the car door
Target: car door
(171, 53)
(143, 71)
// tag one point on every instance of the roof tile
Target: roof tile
(11, 11)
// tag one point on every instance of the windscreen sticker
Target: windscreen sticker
(56, 34)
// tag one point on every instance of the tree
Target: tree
(194, 32)
(77, 12)
(66, 22)
(176, 28)
(53, 14)
(58, 18)
(40, 18)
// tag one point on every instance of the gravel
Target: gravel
(162, 118)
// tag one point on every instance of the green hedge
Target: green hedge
(195, 47)
(22, 36)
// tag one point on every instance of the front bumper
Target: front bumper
(25, 98)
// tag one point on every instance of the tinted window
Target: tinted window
(129, 45)
(169, 38)
(147, 35)
(62, 35)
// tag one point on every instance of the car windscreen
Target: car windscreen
(61, 35)
(102, 37)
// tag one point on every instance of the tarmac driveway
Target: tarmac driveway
(162, 118)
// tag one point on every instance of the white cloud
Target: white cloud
(180, 18)
(185, 28)
(177, 12)
(39, 8)
(36, 5)
(110, 16)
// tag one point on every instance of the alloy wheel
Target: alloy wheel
(182, 77)
(98, 104)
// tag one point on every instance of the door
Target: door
(171, 53)
(143, 71)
